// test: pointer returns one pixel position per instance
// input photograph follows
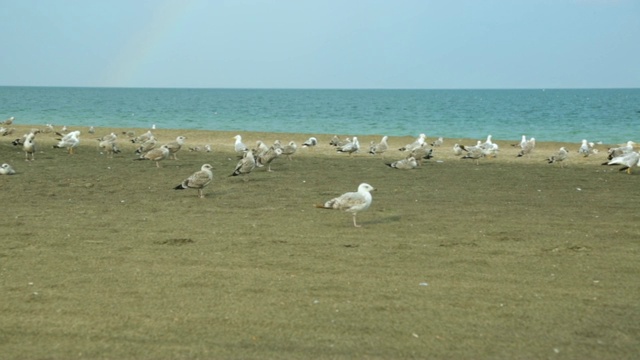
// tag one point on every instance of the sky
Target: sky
(370, 44)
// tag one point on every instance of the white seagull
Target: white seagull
(29, 145)
(627, 161)
(416, 144)
(352, 202)
(238, 146)
(312, 141)
(69, 141)
(6, 169)
(350, 147)
(380, 147)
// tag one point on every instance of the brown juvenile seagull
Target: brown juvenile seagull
(175, 146)
(245, 165)
(157, 155)
(198, 180)
(352, 202)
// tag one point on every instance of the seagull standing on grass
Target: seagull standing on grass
(352, 202)
(157, 155)
(29, 145)
(350, 147)
(175, 146)
(238, 146)
(559, 157)
(245, 165)
(69, 141)
(198, 180)
(380, 147)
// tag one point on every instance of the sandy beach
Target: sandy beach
(510, 258)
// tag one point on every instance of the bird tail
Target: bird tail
(321, 206)
(623, 168)
(179, 187)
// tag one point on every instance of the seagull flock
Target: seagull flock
(262, 155)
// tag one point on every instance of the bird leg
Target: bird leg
(354, 221)
(157, 164)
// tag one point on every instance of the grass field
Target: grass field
(512, 258)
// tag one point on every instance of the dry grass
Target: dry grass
(513, 258)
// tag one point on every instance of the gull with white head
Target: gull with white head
(353, 202)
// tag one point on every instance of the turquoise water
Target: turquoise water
(607, 115)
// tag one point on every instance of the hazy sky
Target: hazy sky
(432, 44)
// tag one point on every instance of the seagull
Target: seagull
(352, 202)
(621, 150)
(245, 165)
(9, 121)
(290, 149)
(419, 141)
(69, 141)
(207, 148)
(110, 147)
(147, 146)
(144, 137)
(559, 157)
(476, 152)
(4, 131)
(628, 161)
(239, 146)
(266, 158)
(350, 147)
(335, 141)
(6, 169)
(527, 147)
(29, 145)
(421, 153)
(380, 147)
(457, 149)
(198, 180)
(438, 142)
(312, 141)
(175, 146)
(92, 130)
(404, 164)
(261, 149)
(108, 143)
(584, 148)
(157, 155)
(491, 149)
(522, 142)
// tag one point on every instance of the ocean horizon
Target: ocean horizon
(567, 115)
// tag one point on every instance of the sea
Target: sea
(609, 116)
